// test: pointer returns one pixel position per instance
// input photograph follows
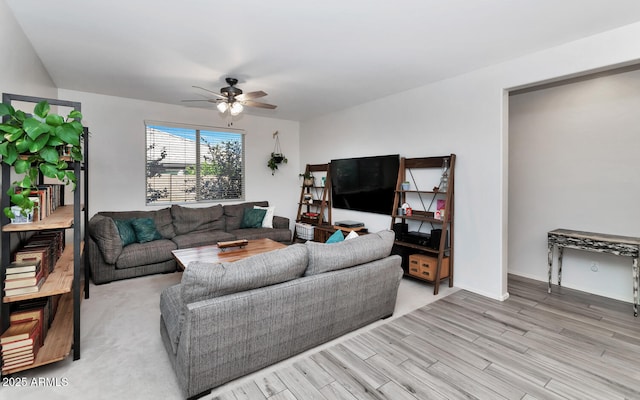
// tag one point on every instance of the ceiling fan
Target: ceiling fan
(232, 98)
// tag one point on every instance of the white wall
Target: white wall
(465, 115)
(573, 152)
(22, 71)
(117, 151)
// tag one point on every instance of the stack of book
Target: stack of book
(23, 277)
(20, 344)
(45, 247)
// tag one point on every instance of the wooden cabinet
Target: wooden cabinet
(321, 233)
(314, 205)
(425, 232)
(64, 280)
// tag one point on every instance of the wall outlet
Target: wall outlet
(594, 266)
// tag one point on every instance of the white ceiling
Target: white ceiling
(312, 58)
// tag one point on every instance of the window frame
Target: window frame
(198, 156)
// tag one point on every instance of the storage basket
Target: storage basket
(304, 231)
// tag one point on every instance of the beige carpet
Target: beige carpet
(122, 354)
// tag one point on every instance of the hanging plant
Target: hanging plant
(38, 143)
(277, 157)
(275, 160)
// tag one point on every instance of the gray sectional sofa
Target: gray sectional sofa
(225, 320)
(178, 227)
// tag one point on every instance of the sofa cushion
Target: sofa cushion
(192, 219)
(162, 219)
(204, 280)
(105, 234)
(325, 257)
(125, 231)
(204, 238)
(145, 229)
(252, 218)
(137, 254)
(233, 213)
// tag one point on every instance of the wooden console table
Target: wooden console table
(625, 246)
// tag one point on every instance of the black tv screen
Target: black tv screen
(365, 184)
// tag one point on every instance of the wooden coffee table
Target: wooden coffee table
(214, 254)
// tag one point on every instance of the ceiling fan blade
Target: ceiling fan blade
(250, 95)
(212, 92)
(209, 100)
(252, 103)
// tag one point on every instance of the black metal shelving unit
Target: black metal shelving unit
(81, 171)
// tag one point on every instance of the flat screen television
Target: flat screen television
(365, 183)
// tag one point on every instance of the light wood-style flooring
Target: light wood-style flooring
(566, 345)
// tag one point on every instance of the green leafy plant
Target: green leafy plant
(39, 143)
(275, 160)
(308, 178)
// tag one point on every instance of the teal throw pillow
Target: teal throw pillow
(252, 218)
(126, 232)
(145, 229)
(337, 236)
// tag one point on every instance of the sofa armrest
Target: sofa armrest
(280, 222)
(105, 234)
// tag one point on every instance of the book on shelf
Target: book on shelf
(25, 352)
(25, 290)
(9, 362)
(19, 331)
(20, 356)
(17, 352)
(13, 283)
(33, 254)
(21, 275)
(57, 237)
(33, 311)
(49, 198)
(20, 267)
(30, 341)
(9, 367)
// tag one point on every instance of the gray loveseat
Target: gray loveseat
(178, 227)
(229, 319)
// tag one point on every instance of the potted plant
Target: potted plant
(308, 178)
(275, 160)
(39, 143)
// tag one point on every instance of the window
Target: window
(188, 164)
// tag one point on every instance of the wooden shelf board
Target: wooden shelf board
(417, 247)
(57, 345)
(59, 281)
(419, 218)
(421, 191)
(61, 218)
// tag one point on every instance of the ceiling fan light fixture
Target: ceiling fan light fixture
(235, 108)
(222, 106)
